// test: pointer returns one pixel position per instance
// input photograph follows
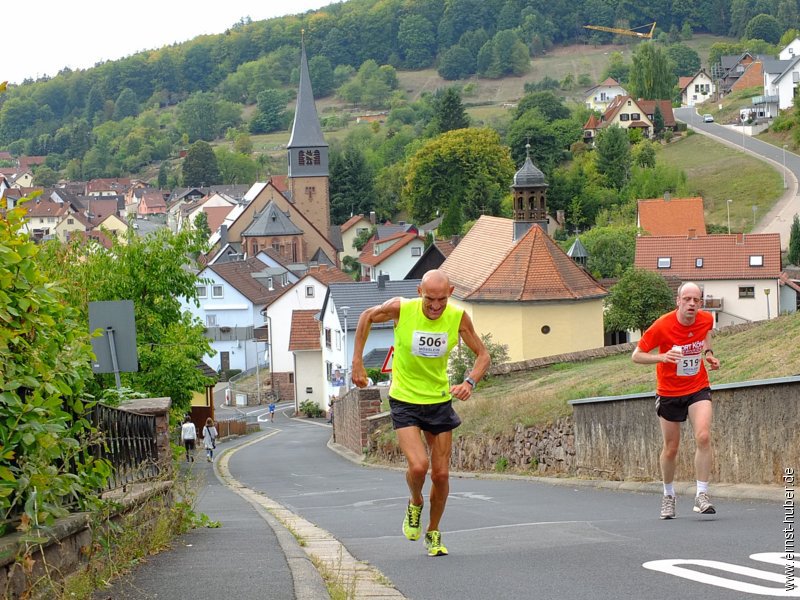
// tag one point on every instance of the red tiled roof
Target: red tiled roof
(45, 208)
(216, 215)
(305, 331)
(649, 108)
(280, 182)
(592, 123)
(684, 81)
(327, 274)
(352, 221)
(239, 274)
(724, 256)
(675, 216)
(367, 256)
(489, 265)
(445, 247)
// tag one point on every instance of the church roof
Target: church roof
(272, 221)
(528, 175)
(306, 131)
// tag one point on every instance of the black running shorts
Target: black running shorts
(433, 418)
(676, 408)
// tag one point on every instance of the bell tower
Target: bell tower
(308, 157)
(530, 197)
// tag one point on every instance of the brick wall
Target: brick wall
(283, 387)
(351, 422)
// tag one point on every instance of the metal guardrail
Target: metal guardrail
(128, 443)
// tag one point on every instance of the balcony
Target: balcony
(712, 304)
(229, 334)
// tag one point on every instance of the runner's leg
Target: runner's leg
(417, 458)
(440, 445)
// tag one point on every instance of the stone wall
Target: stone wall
(351, 413)
(755, 434)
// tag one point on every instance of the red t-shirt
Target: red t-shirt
(689, 375)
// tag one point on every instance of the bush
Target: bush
(311, 409)
(462, 358)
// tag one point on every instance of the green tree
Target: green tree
(126, 105)
(200, 166)
(351, 191)
(45, 176)
(448, 110)
(637, 299)
(163, 172)
(651, 76)
(644, 154)
(243, 144)
(94, 103)
(549, 105)
(658, 120)
(685, 60)
(456, 63)
(613, 156)
(453, 220)
(201, 225)
(617, 68)
(270, 113)
(320, 70)
(417, 41)
(235, 167)
(197, 117)
(794, 242)
(46, 357)
(463, 359)
(470, 163)
(611, 249)
(764, 27)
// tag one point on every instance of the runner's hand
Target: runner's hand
(462, 391)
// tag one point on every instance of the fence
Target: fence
(129, 444)
(244, 388)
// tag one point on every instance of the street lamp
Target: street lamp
(729, 215)
(346, 363)
(784, 166)
(766, 293)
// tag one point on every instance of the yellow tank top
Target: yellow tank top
(421, 348)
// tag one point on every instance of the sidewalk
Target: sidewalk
(249, 557)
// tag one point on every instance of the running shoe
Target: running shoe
(668, 507)
(411, 526)
(433, 541)
(702, 505)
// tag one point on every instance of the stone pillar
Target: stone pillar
(159, 408)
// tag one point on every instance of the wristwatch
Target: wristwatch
(470, 381)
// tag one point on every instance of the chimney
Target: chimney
(372, 217)
(223, 234)
(739, 239)
(455, 239)
(692, 233)
(382, 279)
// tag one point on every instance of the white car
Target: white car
(708, 118)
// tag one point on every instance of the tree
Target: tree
(200, 166)
(197, 116)
(617, 68)
(644, 154)
(351, 190)
(470, 164)
(611, 249)
(320, 71)
(685, 60)
(637, 299)
(651, 74)
(794, 242)
(462, 359)
(270, 112)
(449, 111)
(453, 220)
(550, 106)
(201, 225)
(235, 167)
(658, 120)
(417, 41)
(764, 27)
(126, 105)
(613, 156)
(456, 63)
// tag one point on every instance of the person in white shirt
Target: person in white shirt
(209, 439)
(188, 435)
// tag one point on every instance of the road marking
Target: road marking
(673, 566)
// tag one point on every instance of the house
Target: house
(739, 274)
(433, 257)
(790, 50)
(600, 96)
(780, 78)
(42, 216)
(217, 206)
(108, 186)
(289, 377)
(696, 89)
(737, 72)
(18, 178)
(523, 289)
(151, 203)
(790, 293)
(231, 296)
(671, 216)
(350, 230)
(624, 112)
(394, 254)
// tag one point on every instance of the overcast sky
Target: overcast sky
(55, 33)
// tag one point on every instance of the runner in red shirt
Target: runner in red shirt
(683, 339)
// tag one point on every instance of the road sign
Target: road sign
(387, 363)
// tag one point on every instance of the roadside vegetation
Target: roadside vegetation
(765, 351)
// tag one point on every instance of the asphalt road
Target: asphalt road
(519, 538)
(779, 219)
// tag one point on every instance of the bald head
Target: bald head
(434, 289)
(689, 301)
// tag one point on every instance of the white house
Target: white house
(738, 273)
(394, 255)
(601, 95)
(791, 50)
(350, 230)
(696, 89)
(780, 81)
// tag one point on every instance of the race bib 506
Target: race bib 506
(429, 345)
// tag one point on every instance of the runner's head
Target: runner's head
(434, 289)
(689, 301)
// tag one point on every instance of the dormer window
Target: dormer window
(664, 262)
(698, 263)
(757, 260)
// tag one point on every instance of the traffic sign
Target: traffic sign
(387, 362)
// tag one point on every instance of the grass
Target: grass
(718, 173)
(765, 351)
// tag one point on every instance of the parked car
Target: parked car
(708, 118)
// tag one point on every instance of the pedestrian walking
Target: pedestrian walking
(209, 439)
(426, 329)
(188, 436)
(683, 340)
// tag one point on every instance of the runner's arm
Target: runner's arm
(466, 330)
(381, 313)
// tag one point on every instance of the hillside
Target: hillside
(766, 350)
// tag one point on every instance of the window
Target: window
(757, 260)
(624, 117)
(291, 377)
(217, 291)
(309, 291)
(664, 262)
(328, 337)
(211, 320)
(747, 292)
(70, 221)
(416, 251)
(545, 329)
(202, 291)
(698, 263)
(338, 340)
(635, 116)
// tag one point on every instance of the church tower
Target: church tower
(530, 197)
(308, 157)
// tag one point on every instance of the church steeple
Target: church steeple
(309, 187)
(308, 150)
(530, 197)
